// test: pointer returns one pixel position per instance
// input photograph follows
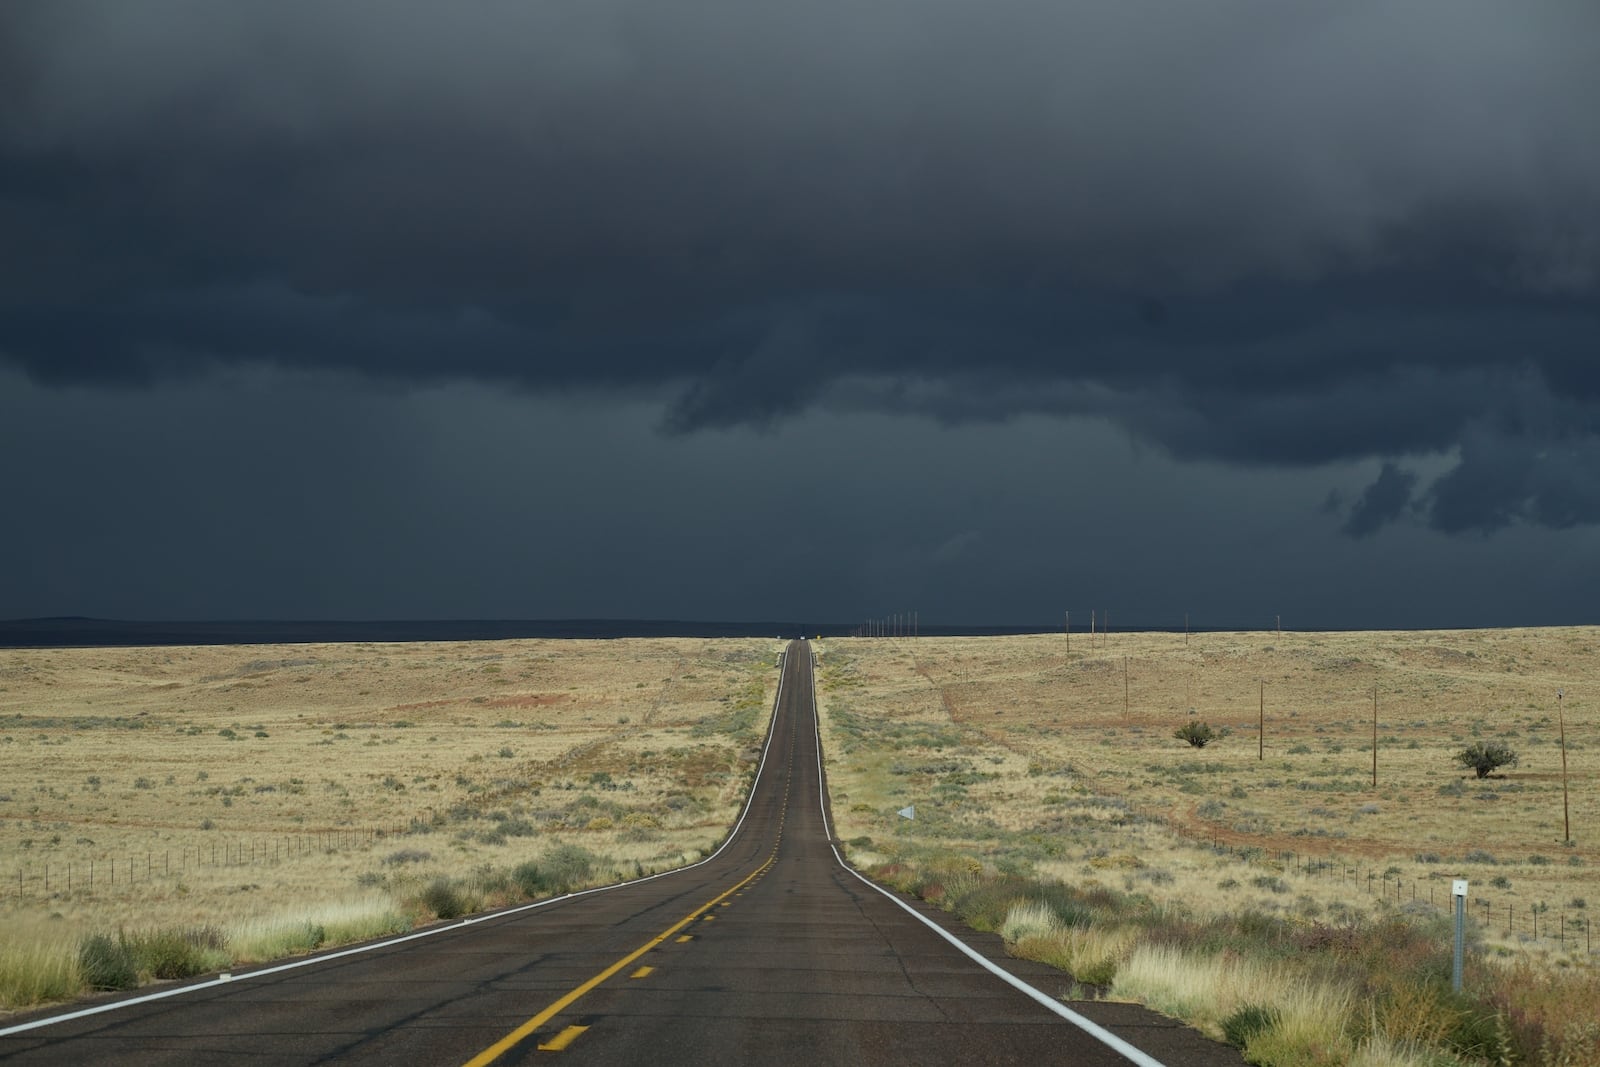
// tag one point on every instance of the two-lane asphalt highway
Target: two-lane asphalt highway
(770, 952)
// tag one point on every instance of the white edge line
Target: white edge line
(309, 961)
(1088, 1026)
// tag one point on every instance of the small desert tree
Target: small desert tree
(1199, 734)
(1485, 756)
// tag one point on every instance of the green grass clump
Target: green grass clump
(1246, 1023)
(106, 963)
(344, 929)
(561, 870)
(332, 922)
(169, 953)
(268, 941)
(530, 880)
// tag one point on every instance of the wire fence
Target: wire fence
(1528, 921)
(45, 880)
(109, 872)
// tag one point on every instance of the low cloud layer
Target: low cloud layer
(1266, 235)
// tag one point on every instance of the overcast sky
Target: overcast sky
(723, 310)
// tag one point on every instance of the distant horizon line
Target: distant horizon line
(676, 620)
(73, 631)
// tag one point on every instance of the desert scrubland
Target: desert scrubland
(1261, 886)
(186, 808)
(240, 804)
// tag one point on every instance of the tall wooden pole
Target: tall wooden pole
(1069, 631)
(1566, 818)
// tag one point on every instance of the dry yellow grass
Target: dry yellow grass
(1020, 749)
(1208, 989)
(1230, 886)
(257, 788)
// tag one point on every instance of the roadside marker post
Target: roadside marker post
(1458, 889)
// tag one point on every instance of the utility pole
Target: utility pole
(1374, 737)
(1261, 724)
(1566, 817)
(1069, 631)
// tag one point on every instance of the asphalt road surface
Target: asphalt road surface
(770, 953)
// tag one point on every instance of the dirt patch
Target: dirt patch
(529, 700)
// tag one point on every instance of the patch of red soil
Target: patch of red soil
(529, 700)
(1189, 825)
(518, 700)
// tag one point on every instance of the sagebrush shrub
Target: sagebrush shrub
(1199, 734)
(529, 879)
(106, 963)
(566, 867)
(441, 897)
(1481, 757)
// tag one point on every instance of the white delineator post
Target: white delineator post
(1458, 889)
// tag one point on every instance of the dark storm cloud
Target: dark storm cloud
(1382, 502)
(1261, 233)
(1503, 478)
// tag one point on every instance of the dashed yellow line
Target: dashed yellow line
(526, 1030)
(643, 972)
(563, 1039)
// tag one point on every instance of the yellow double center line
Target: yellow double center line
(527, 1029)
